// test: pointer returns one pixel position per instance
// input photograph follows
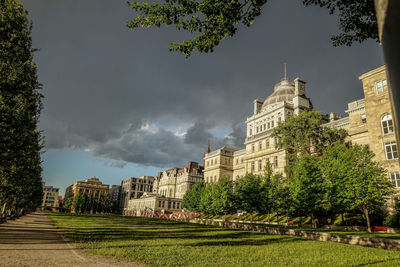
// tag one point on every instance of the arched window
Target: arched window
(387, 124)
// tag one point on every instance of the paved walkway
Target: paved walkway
(33, 240)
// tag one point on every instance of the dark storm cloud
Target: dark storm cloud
(103, 83)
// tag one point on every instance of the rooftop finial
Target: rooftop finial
(285, 70)
(208, 147)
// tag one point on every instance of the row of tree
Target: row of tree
(20, 105)
(84, 203)
(324, 175)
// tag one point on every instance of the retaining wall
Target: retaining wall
(321, 236)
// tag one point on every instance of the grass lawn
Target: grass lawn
(158, 242)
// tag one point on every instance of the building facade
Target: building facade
(152, 202)
(92, 187)
(175, 182)
(369, 121)
(50, 197)
(169, 188)
(288, 99)
(219, 163)
(133, 188)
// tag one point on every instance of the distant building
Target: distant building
(114, 193)
(132, 188)
(169, 188)
(152, 202)
(176, 181)
(50, 197)
(91, 186)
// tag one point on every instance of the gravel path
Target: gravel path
(33, 240)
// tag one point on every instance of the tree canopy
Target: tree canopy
(20, 105)
(212, 21)
(303, 135)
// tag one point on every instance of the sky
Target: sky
(119, 104)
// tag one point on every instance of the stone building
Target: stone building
(91, 186)
(169, 188)
(176, 181)
(153, 202)
(219, 163)
(288, 99)
(369, 122)
(50, 197)
(133, 188)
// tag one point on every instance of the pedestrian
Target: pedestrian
(329, 223)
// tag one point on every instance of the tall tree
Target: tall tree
(248, 193)
(213, 21)
(304, 135)
(357, 182)
(192, 197)
(308, 187)
(222, 196)
(20, 104)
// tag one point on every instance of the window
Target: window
(363, 118)
(279, 119)
(395, 179)
(242, 160)
(257, 129)
(259, 146)
(251, 132)
(276, 161)
(267, 143)
(381, 86)
(387, 124)
(265, 126)
(252, 148)
(272, 124)
(259, 165)
(226, 161)
(269, 125)
(252, 166)
(237, 161)
(391, 150)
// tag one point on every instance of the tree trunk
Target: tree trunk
(343, 219)
(366, 213)
(312, 221)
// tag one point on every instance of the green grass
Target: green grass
(167, 243)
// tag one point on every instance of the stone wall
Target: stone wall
(340, 238)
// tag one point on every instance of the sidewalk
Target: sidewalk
(32, 240)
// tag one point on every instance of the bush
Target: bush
(392, 221)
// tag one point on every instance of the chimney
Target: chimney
(257, 106)
(299, 87)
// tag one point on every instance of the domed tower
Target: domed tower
(287, 99)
